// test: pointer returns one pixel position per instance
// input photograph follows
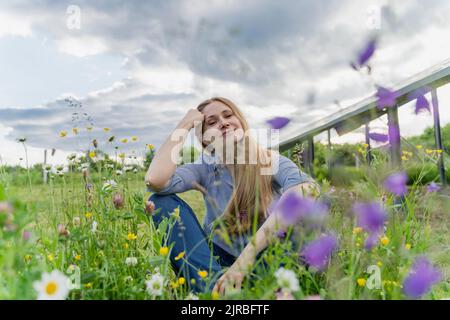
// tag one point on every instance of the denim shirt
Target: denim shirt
(218, 184)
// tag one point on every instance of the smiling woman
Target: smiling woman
(239, 197)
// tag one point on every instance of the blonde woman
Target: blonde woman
(236, 193)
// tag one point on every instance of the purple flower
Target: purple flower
(281, 234)
(26, 235)
(294, 208)
(367, 52)
(433, 187)
(379, 137)
(394, 134)
(371, 216)
(422, 104)
(278, 122)
(421, 278)
(386, 97)
(371, 240)
(396, 183)
(318, 252)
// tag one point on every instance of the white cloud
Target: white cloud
(14, 25)
(82, 46)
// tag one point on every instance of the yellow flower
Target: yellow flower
(75, 130)
(131, 236)
(192, 281)
(419, 146)
(176, 212)
(106, 129)
(404, 158)
(365, 145)
(88, 285)
(92, 154)
(361, 282)
(439, 151)
(180, 255)
(429, 151)
(384, 241)
(121, 155)
(407, 246)
(174, 285)
(50, 257)
(134, 138)
(163, 251)
(125, 245)
(203, 274)
(181, 281)
(215, 295)
(89, 128)
(78, 257)
(379, 263)
(63, 134)
(124, 140)
(357, 230)
(150, 146)
(88, 215)
(27, 258)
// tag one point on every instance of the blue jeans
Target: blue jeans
(187, 235)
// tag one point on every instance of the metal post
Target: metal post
(369, 149)
(44, 172)
(329, 158)
(394, 136)
(310, 153)
(437, 135)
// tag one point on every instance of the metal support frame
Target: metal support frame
(394, 136)
(310, 157)
(369, 149)
(329, 157)
(437, 135)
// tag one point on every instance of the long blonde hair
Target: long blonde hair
(252, 191)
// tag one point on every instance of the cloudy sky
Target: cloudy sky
(137, 67)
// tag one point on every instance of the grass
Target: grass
(97, 260)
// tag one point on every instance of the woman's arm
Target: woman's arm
(164, 162)
(235, 275)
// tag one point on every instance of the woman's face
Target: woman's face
(220, 117)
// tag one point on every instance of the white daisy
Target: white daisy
(287, 280)
(131, 261)
(191, 296)
(155, 285)
(52, 286)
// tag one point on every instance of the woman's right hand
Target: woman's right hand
(191, 117)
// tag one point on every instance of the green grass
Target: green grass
(102, 254)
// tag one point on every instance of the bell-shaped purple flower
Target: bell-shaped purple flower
(433, 187)
(295, 209)
(379, 137)
(318, 252)
(421, 278)
(370, 216)
(278, 122)
(396, 183)
(386, 97)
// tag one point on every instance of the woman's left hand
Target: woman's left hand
(235, 275)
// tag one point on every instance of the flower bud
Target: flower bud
(149, 207)
(118, 201)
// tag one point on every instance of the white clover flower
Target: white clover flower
(76, 221)
(155, 285)
(119, 172)
(94, 226)
(52, 286)
(191, 296)
(131, 261)
(287, 280)
(109, 185)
